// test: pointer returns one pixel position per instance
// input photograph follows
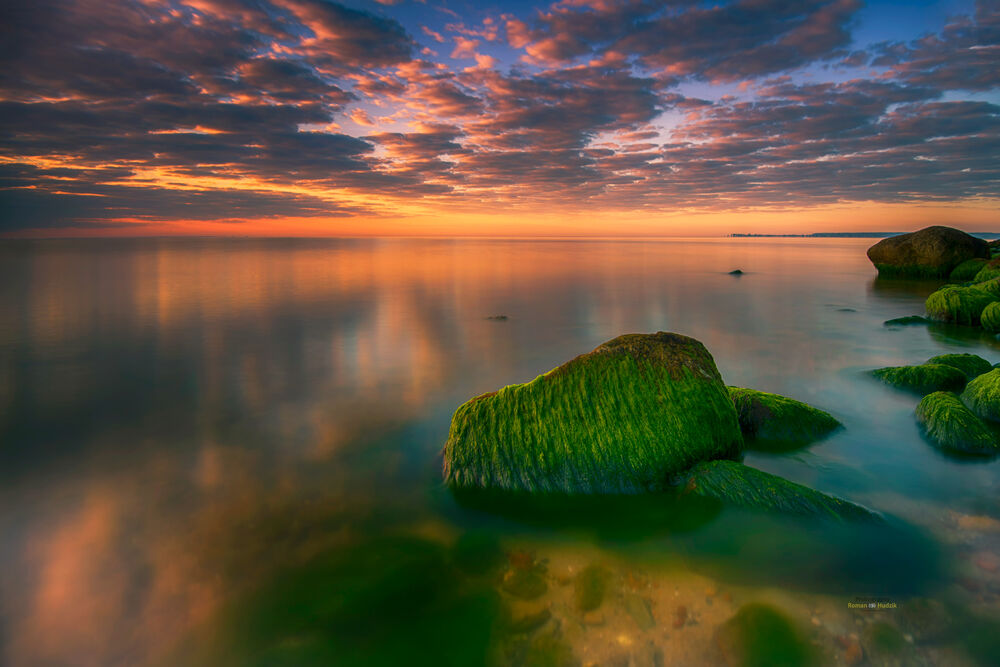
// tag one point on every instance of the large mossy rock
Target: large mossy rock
(772, 421)
(739, 485)
(623, 418)
(967, 270)
(990, 317)
(959, 305)
(933, 252)
(759, 635)
(952, 426)
(923, 379)
(971, 364)
(982, 395)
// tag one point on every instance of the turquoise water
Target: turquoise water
(228, 452)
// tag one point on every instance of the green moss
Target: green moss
(759, 634)
(736, 484)
(982, 395)
(990, 317)
(959, 305)
(590, 587)
(968, 269)
(951, 425)
(771, 421)
(990, 271)
(922, 379)
(971, 364)
(620, 419)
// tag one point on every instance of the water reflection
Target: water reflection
(192, 426)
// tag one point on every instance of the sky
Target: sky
(572, 118)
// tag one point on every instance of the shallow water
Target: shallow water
(228, 452)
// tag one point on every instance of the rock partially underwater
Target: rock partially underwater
(952, 426)
(971, 364)
(933, 252)
(738, 485)
(623, 418)
(960, 305)
(982, 395)
(923, 379)
(771, 421)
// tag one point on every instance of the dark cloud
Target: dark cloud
(229, 109)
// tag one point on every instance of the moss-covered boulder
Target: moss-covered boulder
(982, 395)
(967, 270)
(738, 485)
(933, 252)
(623, 418)
(922, 379)
(990, 317)
(989, 271)
(952, 426)
(959, 305)
(772, 421)
(760, 635)
(971, 364)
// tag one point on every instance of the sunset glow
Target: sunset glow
(577, 118)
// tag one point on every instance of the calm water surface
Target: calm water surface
(228, 452)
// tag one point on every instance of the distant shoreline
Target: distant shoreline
(847, 235)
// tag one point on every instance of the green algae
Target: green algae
(884, 643)
(759, 635)
(620, 419)
(774, 422)
(923, 379)
(968, 269)
(911, 271)
(952, 426)
(590, 587)
(971, 364)
(989, 271)
(990, 317)
(982, 395)
(376, 603)
(959, 305)
(733, 483)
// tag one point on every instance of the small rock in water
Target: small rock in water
(638, 608)
(530, 622)
(497, 318)
(736, 272)
(906, 321)
(593, 618)
(846, 310)
(524, 584)
(680, 616)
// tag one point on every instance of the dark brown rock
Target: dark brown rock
(928, 253)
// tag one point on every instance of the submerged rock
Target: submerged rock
(950, 425)
(959, 305)
(990, 317)
(590, 587)
(909, 320)
(638, 608)
(967, 270)
(759, 634)
(524, 584)
(772, 421)
(736, 484)
(623, 418)
(982, 395)
(923, 379)
(933, 252)
(971, 364)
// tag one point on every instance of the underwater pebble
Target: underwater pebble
(680, 616)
